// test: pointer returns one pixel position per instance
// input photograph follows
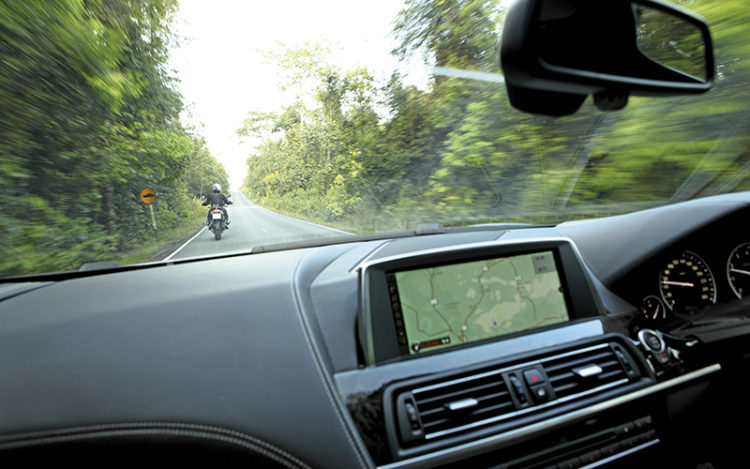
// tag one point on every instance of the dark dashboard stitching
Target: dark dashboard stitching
(20, 440)
(319, 367)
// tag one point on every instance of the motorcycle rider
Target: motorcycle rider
(217, 199)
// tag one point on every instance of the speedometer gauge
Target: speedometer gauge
(687, 283)
(738, 270)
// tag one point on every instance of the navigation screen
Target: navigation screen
(459, 303)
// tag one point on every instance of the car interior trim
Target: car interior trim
(173, 429)
(617, 456)
(325, 375)
(475, 447)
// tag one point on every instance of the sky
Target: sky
(221, 66)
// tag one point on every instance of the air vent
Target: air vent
(585, 371)
(467, 401)
(456, 404)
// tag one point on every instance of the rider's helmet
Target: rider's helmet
(217, 188)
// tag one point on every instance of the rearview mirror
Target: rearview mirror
(554, 53)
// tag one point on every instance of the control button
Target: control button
(662, 358)
(624, 361)
(653, 342)
(540, 392)
(591, 457)
(518, 387)
(569, 464)
(533, 377)
(411, 414)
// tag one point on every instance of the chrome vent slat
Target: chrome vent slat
(428, 412)
(441, 405)
(457, 394)
(586, 358)
(508, 404)
(494, 396)
(475, 415)
(613, 373)
(488, 390)
(565, 387)
(429, 425)
(564, 380)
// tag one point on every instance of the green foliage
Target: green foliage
(89, 118)
(457, 152)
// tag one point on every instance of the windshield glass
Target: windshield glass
(137, 131)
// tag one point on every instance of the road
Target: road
(251, 225)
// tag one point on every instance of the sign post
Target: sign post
(148, 196)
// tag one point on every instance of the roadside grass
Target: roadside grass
(164, 242)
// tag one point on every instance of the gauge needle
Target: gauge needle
(738, 271)
(679, 284)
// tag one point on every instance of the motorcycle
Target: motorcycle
(218, 222)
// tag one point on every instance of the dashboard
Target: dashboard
(591, 343)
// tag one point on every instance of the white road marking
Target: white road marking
(186, 243)
(308, 222)
(329, 228)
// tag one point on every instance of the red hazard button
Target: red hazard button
(533, 376)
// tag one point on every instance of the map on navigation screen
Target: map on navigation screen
(459, 303)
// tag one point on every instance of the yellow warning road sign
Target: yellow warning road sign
(148, 195)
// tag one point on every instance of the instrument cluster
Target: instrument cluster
(686, 283)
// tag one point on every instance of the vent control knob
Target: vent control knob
(408, 419)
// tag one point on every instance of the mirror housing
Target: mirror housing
(554, 53)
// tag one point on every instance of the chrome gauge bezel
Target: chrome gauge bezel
(729, 276)
(646, 315)
(712, 279)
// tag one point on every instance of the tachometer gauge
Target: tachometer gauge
(653, 309)
(738, 270)
(686, 283)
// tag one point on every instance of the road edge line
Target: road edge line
(305, 221)
(184, 244)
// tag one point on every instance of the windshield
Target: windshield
(138, 131)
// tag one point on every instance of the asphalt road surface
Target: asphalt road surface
(250, 226)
